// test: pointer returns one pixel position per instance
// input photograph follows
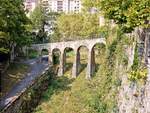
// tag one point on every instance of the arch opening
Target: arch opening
(69, 60)
(99, 51)
(44, 55)
(83, 59)
(32, 53)
(56, 59)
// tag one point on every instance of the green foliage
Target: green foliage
(13, 23)
(32, 54)
(138, 71)
(69, 26)
(3, 42)
(135, 75)
(77, 26)
(104, 32)
(70, 54)
(56, 58)
(88, 4)
(128, 13)
(38, 17)
(4, 50)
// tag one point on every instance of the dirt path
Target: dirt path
(36, 70)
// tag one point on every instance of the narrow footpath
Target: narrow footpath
(35, 71)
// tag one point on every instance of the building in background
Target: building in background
(59, 6)
(66, 6)
(30, 5)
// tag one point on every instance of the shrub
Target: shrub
(135, 75)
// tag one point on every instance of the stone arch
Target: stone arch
(98, 43)
(88, 43)
(56, 52)
(86, 48)
(56, 59)
(95, 51)
(69, 58)
(78, 66)
(44, 53)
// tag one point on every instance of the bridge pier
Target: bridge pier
(91, 64)
(50, 58)
(76, 64)
(62, 63)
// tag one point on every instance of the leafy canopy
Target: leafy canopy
(13, 23)
(78, 26)
(128, 13)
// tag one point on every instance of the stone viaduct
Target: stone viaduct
(75, 45)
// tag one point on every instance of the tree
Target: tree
(69, 26)
(13, 23)
(88, 4)
(127, 13)
(91, 28)
(78, 26)
(40, 19)
(131, 14)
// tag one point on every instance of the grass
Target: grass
(67, 95)
(14, 74)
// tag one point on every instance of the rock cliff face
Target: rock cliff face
(133, 97)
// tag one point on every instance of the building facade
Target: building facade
(59, 6)
(30, 5)
(66, 6)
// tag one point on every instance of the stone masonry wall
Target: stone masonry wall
(133, 97)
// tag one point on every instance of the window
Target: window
(59, 6)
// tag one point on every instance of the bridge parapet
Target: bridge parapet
(89, 43)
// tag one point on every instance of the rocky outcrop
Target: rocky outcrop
(134, 97)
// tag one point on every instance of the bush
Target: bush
(32, 54)
(135, 75)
